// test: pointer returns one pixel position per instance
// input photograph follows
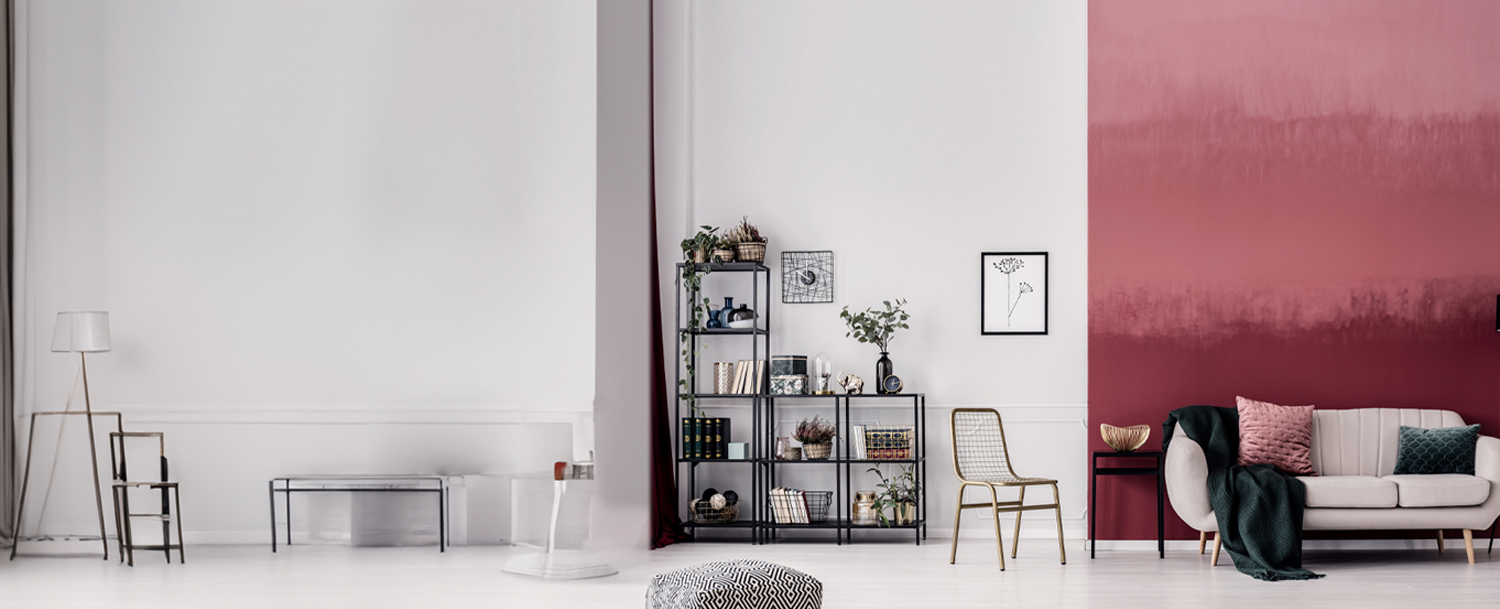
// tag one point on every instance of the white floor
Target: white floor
(862, 575)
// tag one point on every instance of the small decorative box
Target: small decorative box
(789, 384)
(787, 365)
(739, 450)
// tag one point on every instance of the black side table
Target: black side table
(1157, 470)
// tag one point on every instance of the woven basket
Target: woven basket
(817, 451)
(704, 512)
(1124, 439)
(750, 252)
(723, 255)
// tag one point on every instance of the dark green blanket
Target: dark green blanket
(1259, 508)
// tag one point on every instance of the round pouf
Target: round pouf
(735, 584)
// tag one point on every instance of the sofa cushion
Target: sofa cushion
(1349, 492)
(1439, 490)
(1445, 450)
(1278, 435)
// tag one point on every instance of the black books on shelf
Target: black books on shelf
(705, 437)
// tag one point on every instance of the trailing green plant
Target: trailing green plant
(744, 232)
(701, 243)
(815, 431)
(692, 282)
(876, 326)
(902, 488)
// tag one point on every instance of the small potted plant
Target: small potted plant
(749, 246)
(816, 436)
(878, 326)
(723, 251)
(696, 248)
(900, 493)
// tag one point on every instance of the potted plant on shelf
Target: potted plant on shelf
(723, 251)
(816, 436)
(900, 493)
(749, 245)
(695, 251)
(878, 326)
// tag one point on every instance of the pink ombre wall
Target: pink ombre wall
(1295, 201)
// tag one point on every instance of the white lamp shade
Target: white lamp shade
(81, 331)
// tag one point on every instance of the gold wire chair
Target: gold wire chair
(980, 458)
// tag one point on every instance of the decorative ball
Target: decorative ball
(717, 502)
(708, 494)
(731, 496)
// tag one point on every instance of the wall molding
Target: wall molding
(345, 414)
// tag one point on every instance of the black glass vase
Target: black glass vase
(882, 370)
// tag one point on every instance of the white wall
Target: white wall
(907, 137)
(333, 236)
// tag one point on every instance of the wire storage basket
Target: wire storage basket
(705, 513)
(817, 505)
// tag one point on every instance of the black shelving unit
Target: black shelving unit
(840, 513)
(760, 339)
(755, 514)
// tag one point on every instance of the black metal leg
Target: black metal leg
(1161, 539)
(1093, 506)
(271, 492)
(288, 513)
(442, 519)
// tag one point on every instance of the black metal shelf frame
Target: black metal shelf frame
(760, 349)
(842, 514)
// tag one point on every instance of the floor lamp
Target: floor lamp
(80, 332)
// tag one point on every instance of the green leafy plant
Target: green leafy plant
(697, 247)
(876, 326)
(814, 431)
(744, 232)
(692, 282)
(895, 491)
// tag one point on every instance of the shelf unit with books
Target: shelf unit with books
(844, 458)
(694, 448)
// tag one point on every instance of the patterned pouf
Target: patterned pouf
(735, 584)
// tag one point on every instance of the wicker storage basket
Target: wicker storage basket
(704, 512)
(750, 252)
(817, 451)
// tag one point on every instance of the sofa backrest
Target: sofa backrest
(1362, 441)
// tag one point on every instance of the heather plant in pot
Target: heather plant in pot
(816, 436)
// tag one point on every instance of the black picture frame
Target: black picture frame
(989, 326)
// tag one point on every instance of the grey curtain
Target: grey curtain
(7, 363)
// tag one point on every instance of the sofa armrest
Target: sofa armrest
(1487, 460)
(1187, 482)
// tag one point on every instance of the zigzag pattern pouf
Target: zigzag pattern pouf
(735, 584)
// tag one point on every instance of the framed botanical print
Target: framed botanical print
(1013, 293)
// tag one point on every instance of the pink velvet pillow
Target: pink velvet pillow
(1278, 435)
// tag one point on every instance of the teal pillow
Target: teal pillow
(1445, 450)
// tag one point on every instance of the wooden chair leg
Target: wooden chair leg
(999, 540)
(1440, 542)
(1015, 539)
(1062, 552)
(1469, 544)
(1202, 540)
(1218, 541)
(958, 513)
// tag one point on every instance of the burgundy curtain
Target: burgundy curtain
(666, 527)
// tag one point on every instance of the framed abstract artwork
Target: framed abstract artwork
(807, 277)
(1013, 293)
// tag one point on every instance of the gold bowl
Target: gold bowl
(1124, 439)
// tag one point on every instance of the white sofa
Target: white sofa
(1354, 453)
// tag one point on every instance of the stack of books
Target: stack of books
(858, 449)
(887, 442)
(705, 437)
(749, 377)
(789, 506)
